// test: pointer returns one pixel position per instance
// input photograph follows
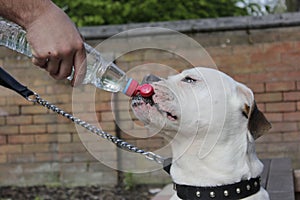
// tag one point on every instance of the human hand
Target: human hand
(56, 44)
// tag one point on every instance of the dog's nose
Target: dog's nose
(150, 79)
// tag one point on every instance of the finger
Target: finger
(41, 62)
(53, 66)
(80, 65)
(65, 68)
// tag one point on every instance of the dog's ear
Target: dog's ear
(257, 122)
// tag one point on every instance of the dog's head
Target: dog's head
(198, 99)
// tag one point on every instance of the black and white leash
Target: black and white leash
(10, 82)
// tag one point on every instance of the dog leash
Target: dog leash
(10, 82)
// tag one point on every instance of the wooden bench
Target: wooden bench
(277, 178)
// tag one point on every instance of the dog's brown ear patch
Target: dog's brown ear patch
(258, 124)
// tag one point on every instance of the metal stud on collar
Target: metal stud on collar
(226, 193)
(198, 194)
(212, 194)
(248, 187)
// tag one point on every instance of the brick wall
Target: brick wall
(268, 62)
(40, 147)
(37, 146)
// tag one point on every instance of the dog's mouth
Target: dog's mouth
(139, 101)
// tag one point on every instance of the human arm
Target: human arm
(55, 41)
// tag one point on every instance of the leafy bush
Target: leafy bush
(101, 12)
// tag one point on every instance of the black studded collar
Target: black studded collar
(240, 190)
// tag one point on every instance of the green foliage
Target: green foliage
(128, 181)
(101, 12)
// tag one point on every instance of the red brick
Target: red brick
(281, 107)
(65, 157)
(256, 87)
(280, 86)
(108, 126)
(243, 78)
(2, 120)
(83, 157)
(71, 148)
(15, 120)
(270, 138)
(274, 117)
(33, 109)
(7, 130)
(10, 148)
(3, 158)
(20, 158)
(237, 64)
(61, 128)
(298, 105)
(2, 139)
(291, 136)
(35, 148)
(291, 116)
(298, 85)
(46, 157)
(45, 138)
(106, 106)
(217, 51)
(75, 137)
(20, 139)
(2, 101)
(284, 126)
(16, 101)
(107, 116)
(274, 76)
(261, 107)
(291, 96)
(283, 147)
(268, 97)
(64, 138)
(280, 47)
(45, 119)
(290, 58)
(32, 129)
(267, 57)
(9, 110)
(63, 120)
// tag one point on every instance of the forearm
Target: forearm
(23, 12)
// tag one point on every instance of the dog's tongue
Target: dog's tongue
(145, 90)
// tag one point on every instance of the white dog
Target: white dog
(211, 121)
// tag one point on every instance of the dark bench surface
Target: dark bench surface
(277, 178)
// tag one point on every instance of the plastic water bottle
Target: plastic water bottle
(102, 74)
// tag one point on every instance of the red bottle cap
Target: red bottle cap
(133, 88)
(145, 90)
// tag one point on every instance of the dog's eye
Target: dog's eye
(188, 79)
